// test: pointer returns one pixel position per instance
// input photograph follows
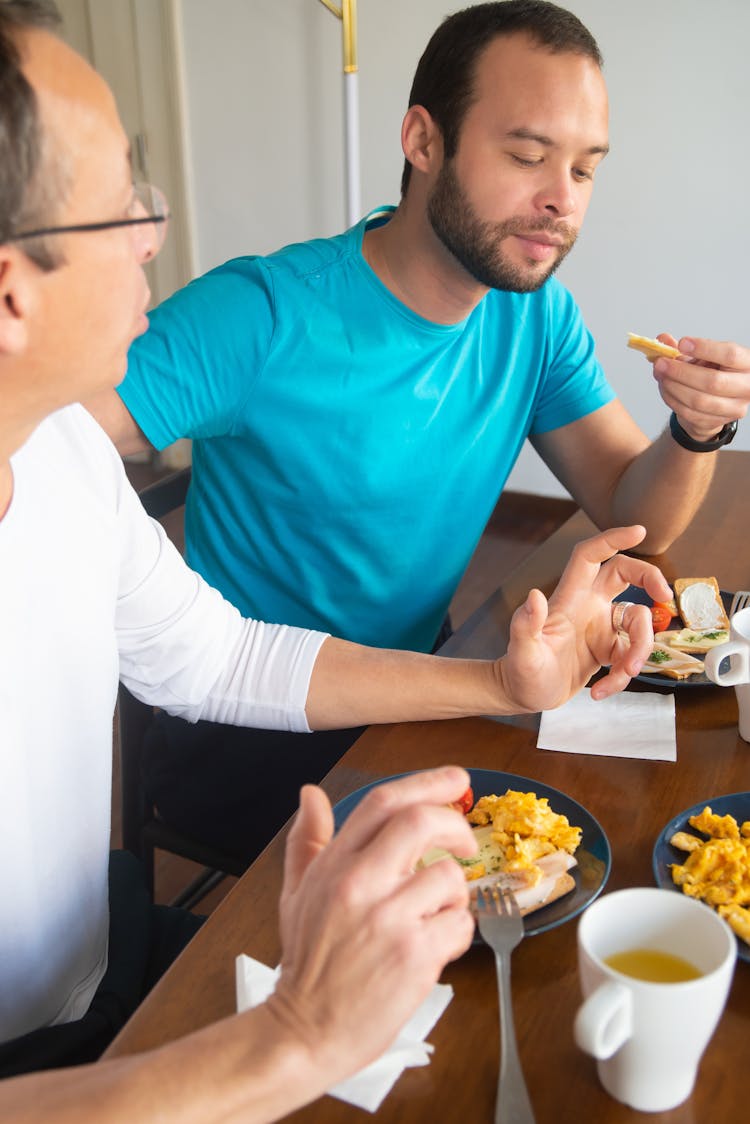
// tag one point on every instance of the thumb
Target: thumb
(311, 831)
(528, 621)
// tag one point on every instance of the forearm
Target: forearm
(241, 1069)
(353, 686)
(113, 416)
(662, 488)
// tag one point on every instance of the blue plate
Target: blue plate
(737, 804)
(593, 857)
(640, 597)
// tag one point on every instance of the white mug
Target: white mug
(648, 1038)
(738, 676)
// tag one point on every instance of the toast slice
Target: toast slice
(698, 641)
(665, 660)
(700, 605)
(652, 349)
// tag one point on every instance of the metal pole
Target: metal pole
(347, 13)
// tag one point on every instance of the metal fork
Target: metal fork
(501, 926)
(741, 600)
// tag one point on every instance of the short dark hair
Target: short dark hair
(24, 158)
(444, 79)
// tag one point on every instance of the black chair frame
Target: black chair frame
(143, 830)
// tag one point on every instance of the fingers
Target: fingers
(589, 555)
(408, 835)
(431, 787)
(439, 894)
(622, 571)
(441, 885)
(311, 831)
(629, 653)
(726, 355)
(709, 390)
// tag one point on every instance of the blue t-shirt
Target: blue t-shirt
(347, 452)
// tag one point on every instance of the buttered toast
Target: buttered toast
(700, 605)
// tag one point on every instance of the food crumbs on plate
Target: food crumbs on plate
(717, 869)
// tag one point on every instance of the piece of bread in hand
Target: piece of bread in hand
(699, 641)
(699, 603)
(652, 349)
(665, 660)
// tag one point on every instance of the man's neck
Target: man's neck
(411, 261)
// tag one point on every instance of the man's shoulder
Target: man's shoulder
(297, 260)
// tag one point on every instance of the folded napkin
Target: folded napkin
(368, 1088)
(638, 725)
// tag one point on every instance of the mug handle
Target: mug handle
(734, 676)
(605, 1020)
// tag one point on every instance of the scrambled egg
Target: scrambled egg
(717, 870)
(522, 830)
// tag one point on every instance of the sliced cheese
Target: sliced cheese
(665, 660)
(693, 640)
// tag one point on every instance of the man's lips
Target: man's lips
(540, 246)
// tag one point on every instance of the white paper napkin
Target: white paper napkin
(638, 725)
(368, 1088)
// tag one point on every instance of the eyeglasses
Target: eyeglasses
(146, 197)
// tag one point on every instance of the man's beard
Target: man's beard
(477, 245)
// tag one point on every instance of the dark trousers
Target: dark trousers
(144, 939)
(233, 788)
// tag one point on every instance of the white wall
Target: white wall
(666, 243)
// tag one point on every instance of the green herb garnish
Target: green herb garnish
(659, 657)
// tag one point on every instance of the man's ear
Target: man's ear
(15, 300)
(421, 140)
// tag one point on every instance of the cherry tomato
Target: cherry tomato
(661, 615)
(466, 803)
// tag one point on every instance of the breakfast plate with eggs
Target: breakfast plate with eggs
(579, 850)
(705, 852)
(700, 623)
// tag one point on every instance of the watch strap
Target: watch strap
(723, 437)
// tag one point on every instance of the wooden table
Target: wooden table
(631, 799)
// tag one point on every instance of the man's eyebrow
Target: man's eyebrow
(547, 142)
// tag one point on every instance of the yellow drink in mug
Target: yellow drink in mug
(655, 969)
(652, 965)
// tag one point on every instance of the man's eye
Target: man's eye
(526, 161)
(582, 174)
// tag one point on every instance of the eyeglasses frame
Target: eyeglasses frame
(84, 226)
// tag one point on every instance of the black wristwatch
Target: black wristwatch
(723, 437)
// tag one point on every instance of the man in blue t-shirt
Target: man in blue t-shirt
(357, 403)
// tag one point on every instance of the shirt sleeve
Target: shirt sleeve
(190, 372)
(575, 384)
(186, 649)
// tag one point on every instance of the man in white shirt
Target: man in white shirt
(92, 591)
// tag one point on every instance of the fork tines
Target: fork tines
(741, 600)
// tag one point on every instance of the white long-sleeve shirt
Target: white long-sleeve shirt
(91, 591)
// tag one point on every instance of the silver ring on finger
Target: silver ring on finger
(618, 614)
